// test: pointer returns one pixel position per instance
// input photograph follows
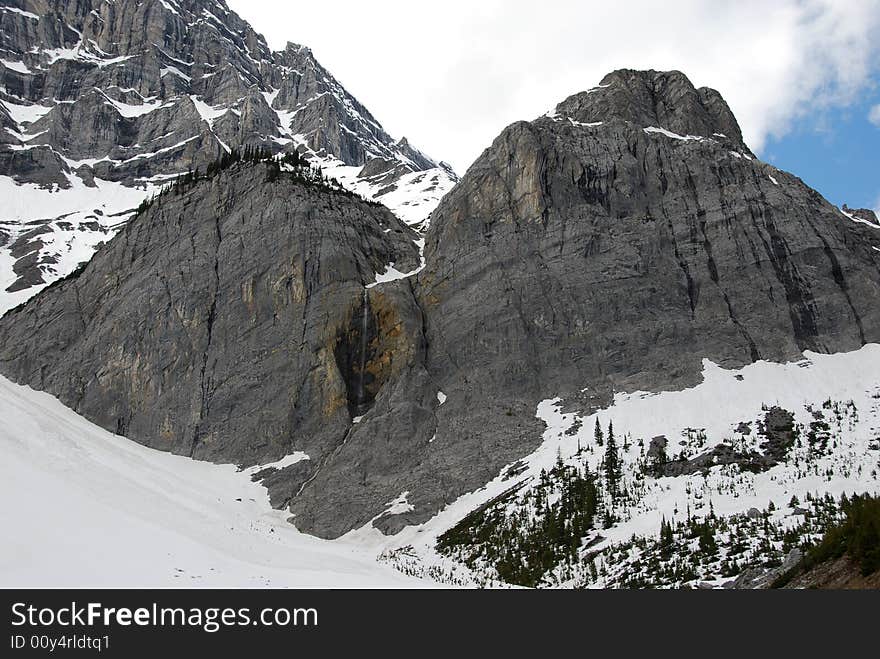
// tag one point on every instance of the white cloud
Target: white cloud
(874, 115)
(451, 75)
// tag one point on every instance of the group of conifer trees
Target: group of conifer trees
(291, 164)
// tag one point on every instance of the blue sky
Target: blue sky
(836, 152)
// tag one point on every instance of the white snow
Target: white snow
(554, 114)
(592, 124)
(390, 274)
(670, 134)
(23, 203)
(271, 96)
(15, 66)
(399, 506)
(441, 397)
(416, 195)
(283, 463)
(128, 110)
(22, 12)
(393, 274)
(23, 114)
(174, 71)
(773, 180)
(208, 112)
(859, 220)
(84, 508)
(27, 201)
(413, 197)
(170, 7)
(112, 60)
(80, 53)
(151, 154)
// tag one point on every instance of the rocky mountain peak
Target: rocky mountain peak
(103, 103)
(657, 99)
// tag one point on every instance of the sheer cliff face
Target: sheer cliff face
(631, 234)
(103, 102)
(609, 246)
(225, 323)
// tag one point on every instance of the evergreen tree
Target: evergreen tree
(708, 545)
(600, 438)
(667, 540)
(612, 463)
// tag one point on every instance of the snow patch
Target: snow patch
(130, 111)
(16, 66)
(173, 70)
(20, 12)
(207, 112)
(859, 220)
(399, 506)
(283, 463)
(24, 114)
(662, 131)
(392, 274)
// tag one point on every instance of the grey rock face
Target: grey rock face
(117, 64)
(134, 92)
(611, 246)
(224, 323)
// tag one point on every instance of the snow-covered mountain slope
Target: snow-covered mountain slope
(762, 487)
(85, 508)
(94, 509)
(102, 102)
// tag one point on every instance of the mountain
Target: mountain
(623, 267)
(101, 103)
(608, 248)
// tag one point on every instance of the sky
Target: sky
(802, 76)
